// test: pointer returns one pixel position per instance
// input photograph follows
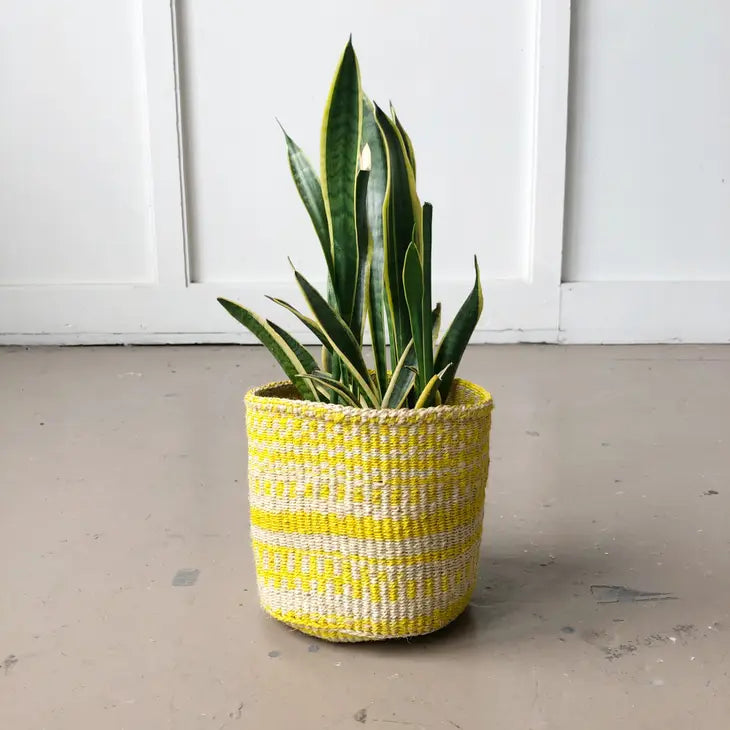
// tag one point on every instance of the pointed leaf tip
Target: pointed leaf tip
(457, 337)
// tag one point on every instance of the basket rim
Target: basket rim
(255, 398)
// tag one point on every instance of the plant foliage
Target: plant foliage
(376, 239)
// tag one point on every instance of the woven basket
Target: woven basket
(366, 523)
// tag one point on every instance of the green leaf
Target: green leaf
(340, 149)
(398, 223)
(335, 361)
(310, 191)
(409, 361)
(332, 385)
(401, 381)
(341, 339)
(377, 184)
(431, 389)
(308, 322)
(407, 155)
(413, 288)
(458, 335)
(436, 319)
(336, 370)
(363, 256)
(331, 296)
(303, 355)
(427, 218)
(406, 140)
(274, 343)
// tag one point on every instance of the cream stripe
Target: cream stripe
(406, 505)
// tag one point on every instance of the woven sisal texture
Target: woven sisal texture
(366, 523)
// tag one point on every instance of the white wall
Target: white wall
(144, 175)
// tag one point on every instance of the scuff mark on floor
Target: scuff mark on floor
(185, 577)
(622, 594)
(616, 652)
(236, 715)
(616, 649)
(9, 662)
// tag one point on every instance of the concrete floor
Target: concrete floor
(120, 467)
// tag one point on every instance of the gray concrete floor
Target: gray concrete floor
(120, 467)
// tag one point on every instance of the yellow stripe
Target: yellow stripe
(389, 528)
(268, 445)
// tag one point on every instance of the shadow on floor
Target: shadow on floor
(515, 598)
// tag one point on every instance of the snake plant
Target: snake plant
(376, 240)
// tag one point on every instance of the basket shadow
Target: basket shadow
(516, 597)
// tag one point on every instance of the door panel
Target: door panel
(75, 200)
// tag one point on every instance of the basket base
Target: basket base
(361, 630)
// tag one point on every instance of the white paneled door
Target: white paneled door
(144, 173)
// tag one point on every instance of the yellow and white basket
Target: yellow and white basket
(366, 523)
